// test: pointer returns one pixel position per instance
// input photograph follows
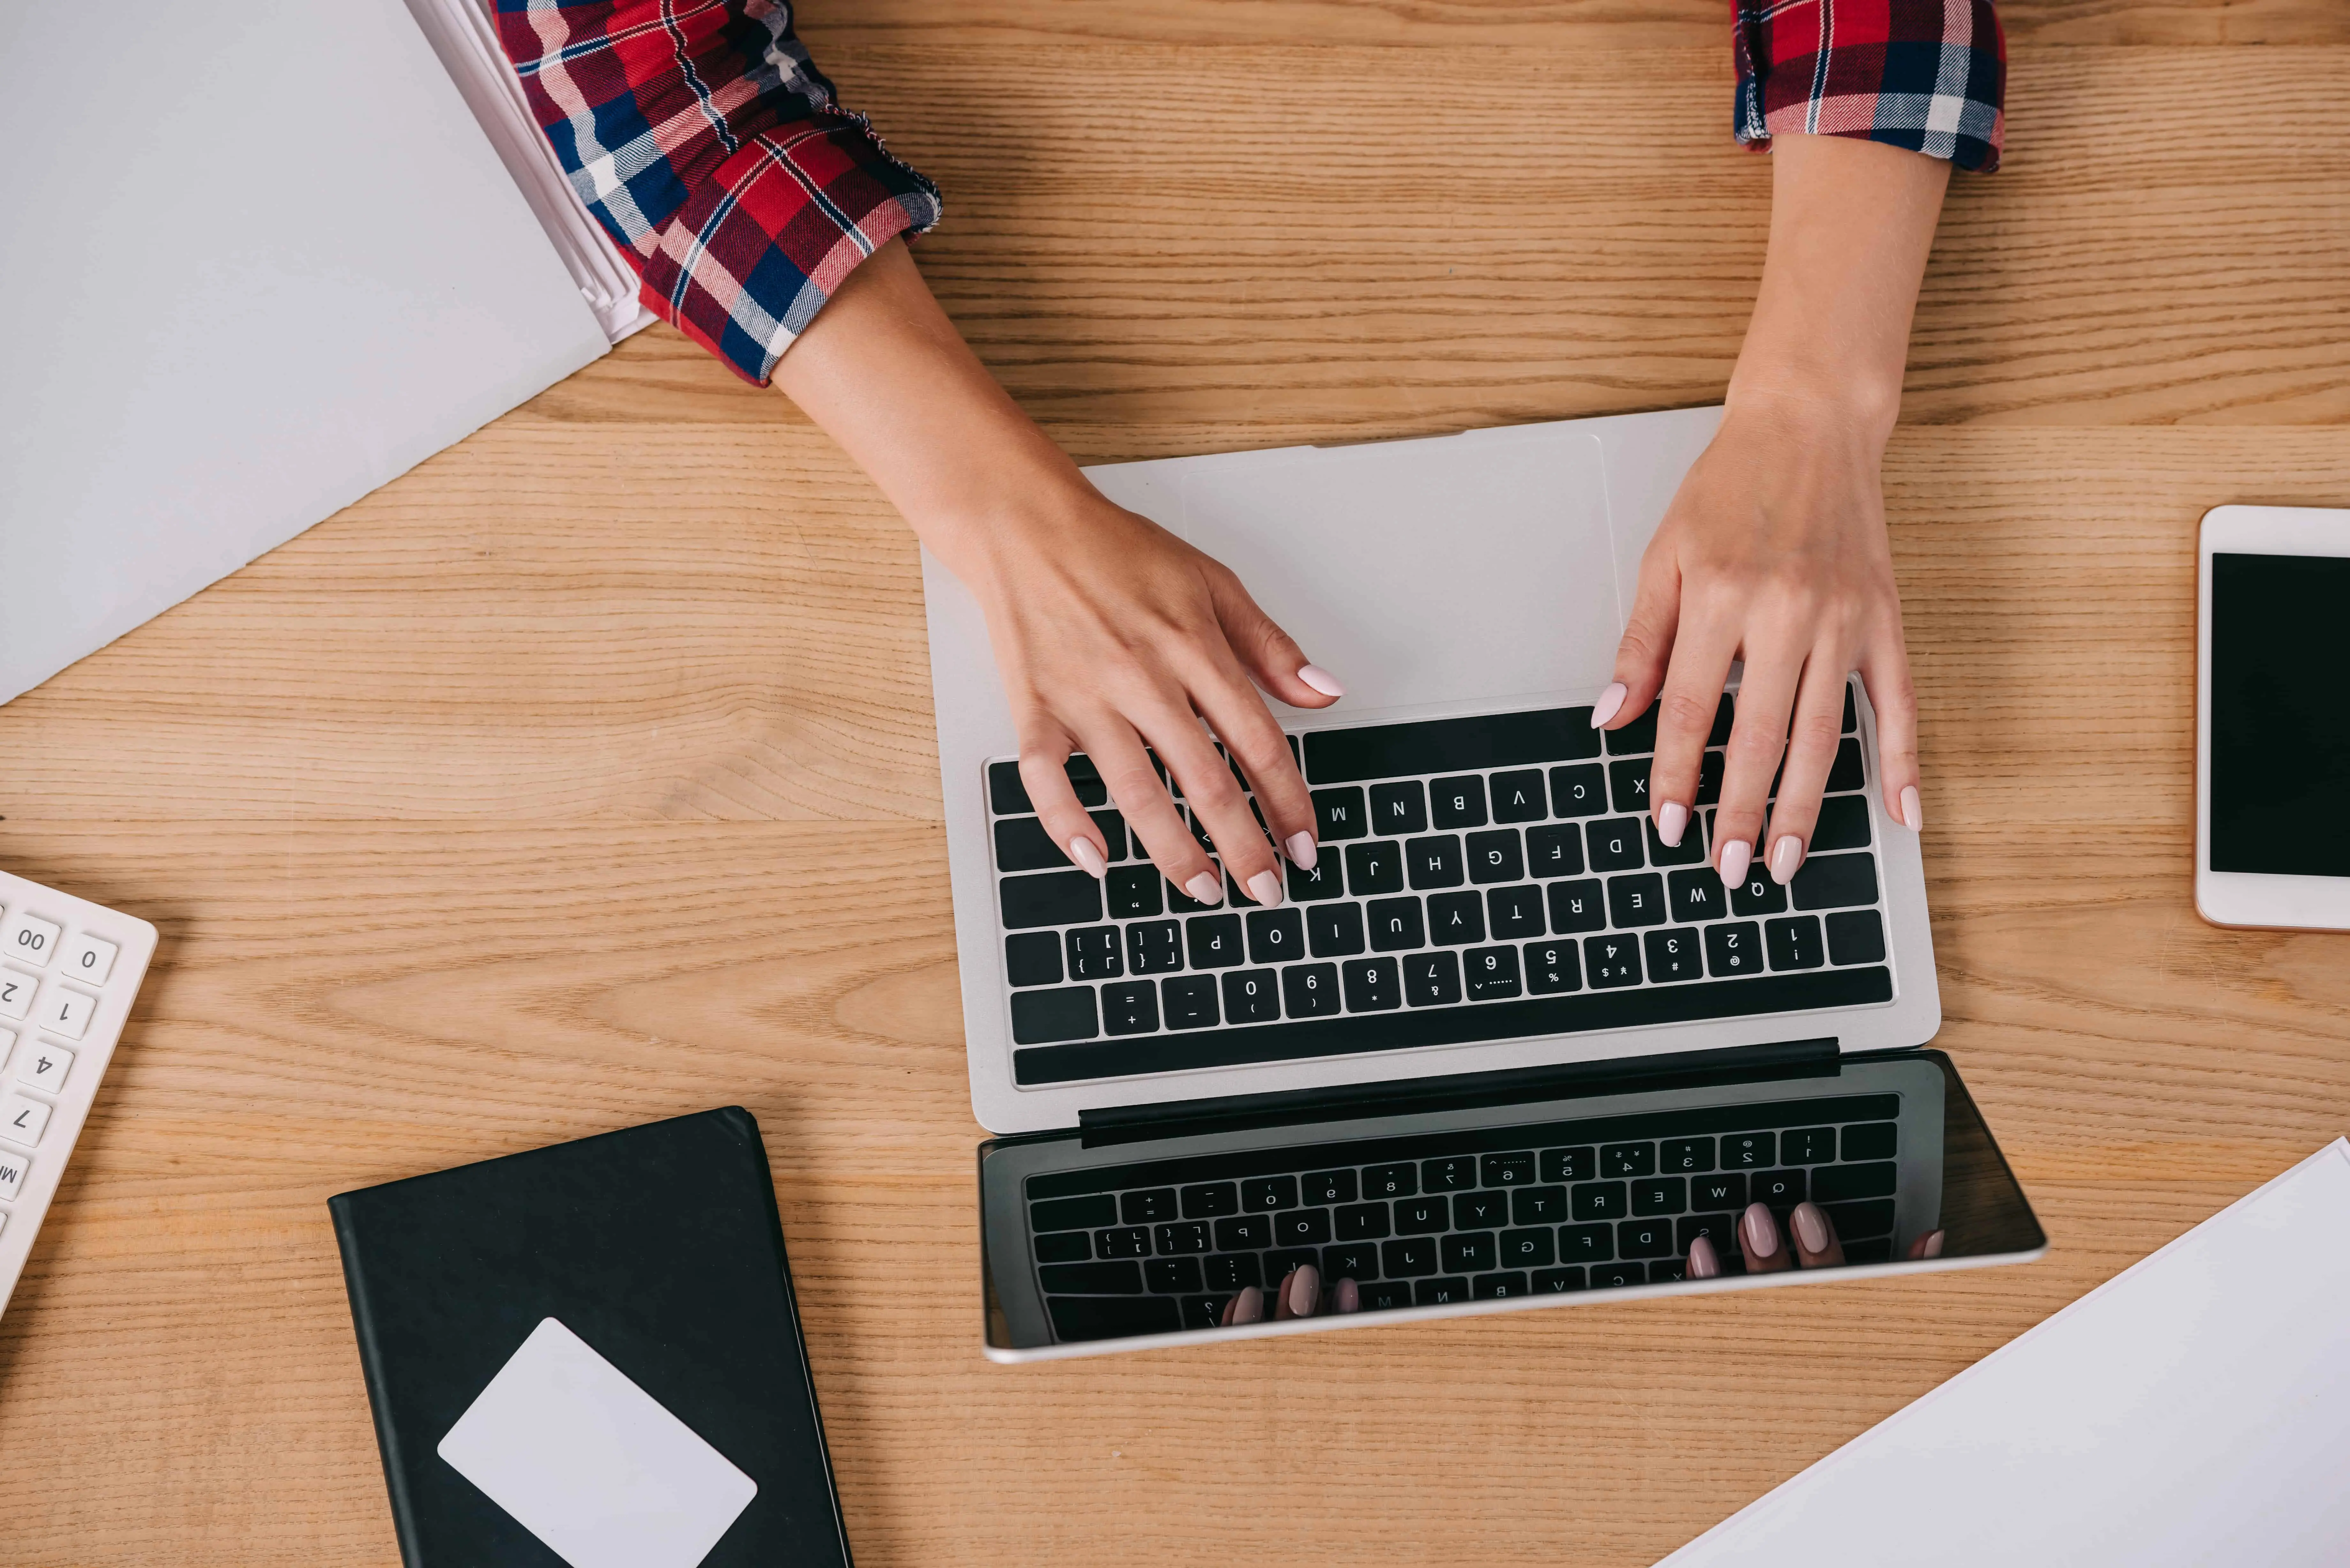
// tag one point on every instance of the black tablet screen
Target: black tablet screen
(2280, 715)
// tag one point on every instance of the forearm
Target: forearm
(1851, 224)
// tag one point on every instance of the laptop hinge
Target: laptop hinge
(1465, 1091)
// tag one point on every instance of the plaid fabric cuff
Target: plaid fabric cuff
(1926, 75)
(761, 244)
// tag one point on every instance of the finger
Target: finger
(1758, 738)
(1812, 744)
(1246, 1307)
(1219, 805)
(1928, 1245)
(1685, 714)
(1272, 659)
(1237, 714)
(1702, 1263)
(1044, 770)
(1817, 1243)
(1758, 1238)
(1347, 1296)
(1303, 1296)
(1885, 672)
(1646, 643)
(1125, 766)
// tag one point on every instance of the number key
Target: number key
(29, 938)
(16, 993)
(1749, 1151)
(22, 1118)
(89, 958)
(44, 1067)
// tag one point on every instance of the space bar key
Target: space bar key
(1445, 746)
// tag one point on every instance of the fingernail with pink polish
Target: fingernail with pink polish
(1811, 1228)
(1265, 887)
(1347, 1296)
(1322, 681)
(1933, 1248)
(1306, 1289)
(1302, 852)
(1672, 821)
(1913, 815)
(1088, 858)
(1248, 1307)
(1737, 858)
(1786, 858)
(1609, 701)
(1761, 1234)
(1207, 888)
(1702, 1263)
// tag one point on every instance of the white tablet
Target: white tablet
(2273, 718)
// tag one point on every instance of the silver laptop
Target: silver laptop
(1503, 1048)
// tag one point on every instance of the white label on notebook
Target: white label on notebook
(591, 1464)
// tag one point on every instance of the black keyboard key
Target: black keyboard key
(1611, 961)
(1457, 802)
(1794, 942)
(1627, 1160)
(1149, 1206)
(1733, 950)
(1189, 1002)
(1674, 955)
(1835, 882)
(1400, 1179)
(1398, 808)
(1066, 1247)
(1251, 996)
(1637, 901)
(1556, 850)
(1498, 1287)
(1434, 861)
(1516, 1170)
(1628, 785)
(1182, 903)
(1533, 1249)
(1431, 980)
(1557, 1281)
(1033, 957)
(1327, 1187)
(1842, 824)
(1614, 1274)
(1455, 1173)
(1599, 1201)
(1375, 868)
(1086, 781)
(1518, 796)
(1210, 1200)
(1711, 768)
(1053, 898)
(1310, 990)
(1722, 1229)
(1422, 1216)
(1301, 1227)
(1878, 1251)
(1262, 1194)
(1615, 844)
(1645, 1238)
(1851, 713)
(1570, 1164)
(1361, 1222)
(1847, 773)
(1842, 1183)
(1757, 895)
(1538, 1206)
(1006, 792)
(1085, 1213)
(1690, 851)
(1130, 1009)
(1855, 936)
(1244, 1233)
(1325, 881)
(1441, 1291)
(1396, 925)
(1356, 1260)
(1577, 905)
(1661, 1195)
(1587, 1243)
(1479, 1210)
(1340, 814)
(1154, 947)
(1495, 855)
(1173, 1276)
(1749, 1151)
(1333, 930)
(1023, 845)
(1276, 936)
(1776, 1188)
(1387, 1297)
(1405, 1259)
(1467, 1254)
(1043, 1017)
(1491, 974)
(1125, 1241)
(1578, 791)
(1372, 985)
(1279, 1265)
(1697, 895)
(1487, 740)
(1664, 1269)
(1513, 914)
(1872, 1140)
(1214, 941)
(1204, 1311)
(1079, 1318)
(1684, 1155)
(1552, 968)
(1859, 1221)
(1807, 1146)
(1640, 736)
(1455, 920)
(1094, 952)
(1233, 1272)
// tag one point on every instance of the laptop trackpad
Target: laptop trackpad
(1423, 571)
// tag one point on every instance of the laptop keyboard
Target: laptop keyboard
(1428, 1219)
(1480, 878)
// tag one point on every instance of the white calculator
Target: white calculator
(68, 972)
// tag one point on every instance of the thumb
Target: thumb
(1272, 658)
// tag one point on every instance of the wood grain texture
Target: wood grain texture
(586, 776)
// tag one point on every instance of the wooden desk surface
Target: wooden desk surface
(585, 775)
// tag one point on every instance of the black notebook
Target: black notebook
(602, 1337)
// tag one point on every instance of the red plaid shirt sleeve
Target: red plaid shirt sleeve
(1928, 74)
(703, 138)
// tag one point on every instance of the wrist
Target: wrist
(1818, 400)
(988, 534)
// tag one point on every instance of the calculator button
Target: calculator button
(16, 993)
(29, 938)
(44, 1067)
(89, 958)
(22, 1118)
(7, 1043)
(13, 1168)
(67, 1011)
